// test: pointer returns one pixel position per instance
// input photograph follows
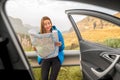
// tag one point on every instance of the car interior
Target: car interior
(99, 62)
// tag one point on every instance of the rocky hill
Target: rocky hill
(89, 23)
(19, 27)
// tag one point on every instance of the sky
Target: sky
(31, 11)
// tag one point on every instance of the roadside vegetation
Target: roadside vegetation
(66, 73)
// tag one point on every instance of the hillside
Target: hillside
(89, 23)
(103, 30)
(19, 27)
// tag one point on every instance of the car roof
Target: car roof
(111, 4)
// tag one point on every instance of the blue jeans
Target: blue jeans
(50, 66)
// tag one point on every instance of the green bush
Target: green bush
(114, 43)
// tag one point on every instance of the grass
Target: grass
(66, 73)
(113, 42)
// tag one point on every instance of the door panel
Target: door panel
(92, 58)
(99, 40)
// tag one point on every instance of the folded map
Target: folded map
(45, 43)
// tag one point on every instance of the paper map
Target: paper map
(45, 44)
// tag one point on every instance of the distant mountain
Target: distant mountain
(18, 25)
(93, 23)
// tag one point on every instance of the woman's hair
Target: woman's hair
(42, 23)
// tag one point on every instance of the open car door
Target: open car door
(98, 37)
(14, 64)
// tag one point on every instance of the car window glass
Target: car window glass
(98, 30)
(25, 15)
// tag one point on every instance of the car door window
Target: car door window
(97, 30)
(25, 15)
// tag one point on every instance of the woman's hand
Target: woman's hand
(58, 43)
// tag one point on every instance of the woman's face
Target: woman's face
(47, 25)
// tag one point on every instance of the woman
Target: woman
(54, 63)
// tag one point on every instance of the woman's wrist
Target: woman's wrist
(58, 43)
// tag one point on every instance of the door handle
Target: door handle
(103, 73)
